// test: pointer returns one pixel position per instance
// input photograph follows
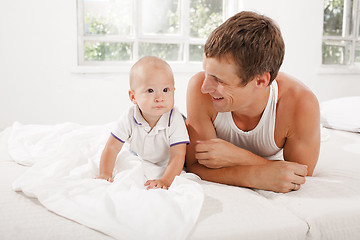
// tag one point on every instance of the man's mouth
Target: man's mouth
(218, 98)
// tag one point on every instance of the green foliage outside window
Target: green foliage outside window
(205, 16)
(333, 17)
(339, 44)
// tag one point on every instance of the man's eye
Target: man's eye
(166, 90)
(150, 90)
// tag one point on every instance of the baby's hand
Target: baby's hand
(157, 183)
(107, 178)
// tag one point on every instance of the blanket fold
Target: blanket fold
(64, 162)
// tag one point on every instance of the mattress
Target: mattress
(326, 207)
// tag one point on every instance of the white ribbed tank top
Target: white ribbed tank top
(260, 140)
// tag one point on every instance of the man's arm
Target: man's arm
(200, 117)
(303, 139)
(263, 174)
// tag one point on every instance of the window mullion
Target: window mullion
(80, 38)
(346, 19)
(136, 28)
(185, 16)
(353, 30)
(356, 14)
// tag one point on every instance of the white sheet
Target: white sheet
(326, 207)
(65, 161)
(329, 202)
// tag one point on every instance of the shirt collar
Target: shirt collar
(163, 122)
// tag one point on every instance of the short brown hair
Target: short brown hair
(254, 42)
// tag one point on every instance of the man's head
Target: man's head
(253, 41)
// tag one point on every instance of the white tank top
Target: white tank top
(260, 140)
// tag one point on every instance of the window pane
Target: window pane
(357, 53)
(333, 17)
(169, 52)
(111, 17)
(336, 52)
(196, 52)
(162, 19)
(105, 51)
(205, 16)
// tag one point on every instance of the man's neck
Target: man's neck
(247, 119)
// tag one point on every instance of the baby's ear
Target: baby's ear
(132, 96)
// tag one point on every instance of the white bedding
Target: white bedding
(341, 113)
(64, 162)
(326, 207)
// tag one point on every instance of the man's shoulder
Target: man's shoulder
(196, 81)
(199, 105)
(293, 94)
(296, 102)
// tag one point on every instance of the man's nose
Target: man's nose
(208, 86)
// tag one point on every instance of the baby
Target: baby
(154, 129)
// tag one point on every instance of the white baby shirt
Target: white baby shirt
(153, 146)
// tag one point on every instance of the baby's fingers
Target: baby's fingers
(150, 184)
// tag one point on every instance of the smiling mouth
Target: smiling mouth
(219, 98)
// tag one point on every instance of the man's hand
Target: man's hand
(217, 153)
(157, 183)
(280, 176)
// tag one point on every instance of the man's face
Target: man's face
(224, 86)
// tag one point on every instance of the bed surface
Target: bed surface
(326, 207)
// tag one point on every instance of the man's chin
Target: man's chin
(220, 108)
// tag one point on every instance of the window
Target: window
(120, 31)
(341, 33)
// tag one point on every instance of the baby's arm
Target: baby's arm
(108, 158)
(174, 168)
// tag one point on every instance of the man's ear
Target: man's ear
(132, 96)
(263, 80)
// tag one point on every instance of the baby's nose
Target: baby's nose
(159, 97)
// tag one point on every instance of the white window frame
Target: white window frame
(230, 7)
(352, 67)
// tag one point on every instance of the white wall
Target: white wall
(38, 57)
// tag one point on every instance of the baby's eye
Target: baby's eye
(150, 90)
(166, 89)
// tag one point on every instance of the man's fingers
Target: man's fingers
(298, 180)
(201, 146)
(295, 187)
(300, 170)
(201, 155)
(205, 145)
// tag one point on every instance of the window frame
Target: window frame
(230, 7)
(352, 67)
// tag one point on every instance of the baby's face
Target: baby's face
(154, 92)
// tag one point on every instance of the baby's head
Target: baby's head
(152, 86)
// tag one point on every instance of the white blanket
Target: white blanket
(65, 160)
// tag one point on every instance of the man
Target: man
(242, 115)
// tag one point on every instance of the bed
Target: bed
(326, 207)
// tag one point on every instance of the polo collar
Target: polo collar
(163, 122)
